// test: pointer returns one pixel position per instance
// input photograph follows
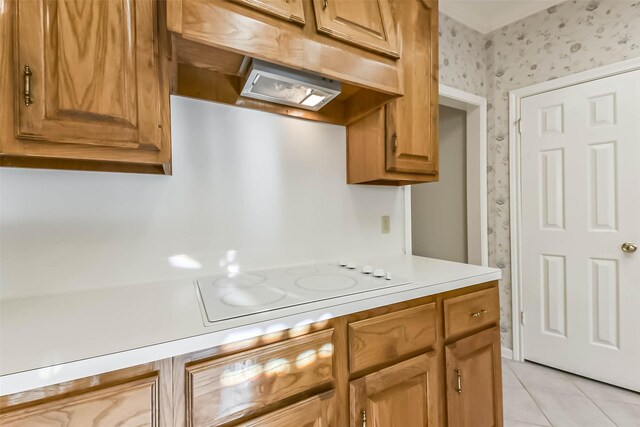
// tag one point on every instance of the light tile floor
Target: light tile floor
(535, 395)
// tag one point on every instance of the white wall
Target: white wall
(270, 188)
(439, 209)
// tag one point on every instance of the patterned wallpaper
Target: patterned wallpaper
(571, 37)
(463, 59)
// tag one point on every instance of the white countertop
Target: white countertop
(50, 339)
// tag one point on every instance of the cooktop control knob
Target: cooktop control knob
(378, 272)
(367, 269)
(388, 276)
(352, 265)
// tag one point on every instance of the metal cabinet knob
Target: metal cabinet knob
(628, 247)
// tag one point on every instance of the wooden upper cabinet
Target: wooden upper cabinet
(289, 10)
(403, 147)
(94, 81)
(474, 381)
(405, 394)
(365, 23)
(412, 119)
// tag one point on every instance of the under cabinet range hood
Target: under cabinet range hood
(281, 85)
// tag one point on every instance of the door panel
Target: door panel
(317, 411)
(474, 380)
(411, 136)
(93, 73)
(580, 203)
(404, 394)
(365, 23)
(290, 10)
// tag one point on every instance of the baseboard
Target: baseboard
(507, 353)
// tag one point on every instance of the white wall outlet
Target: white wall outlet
(386, 224)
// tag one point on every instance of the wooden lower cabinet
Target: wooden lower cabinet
(132, 397)
(317, 411)
(405, 394)
(391, 366)
(474, 380)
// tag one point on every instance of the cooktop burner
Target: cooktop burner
(242, 294)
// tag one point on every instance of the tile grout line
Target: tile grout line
(594, 402)
(529, 394)
(582, 392)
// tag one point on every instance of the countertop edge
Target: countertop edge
(41, 377)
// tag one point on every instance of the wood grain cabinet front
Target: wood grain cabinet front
(317, 411)
(289, 10)
(398, 144)
(225, 389)
(364, 23)
(471, 312)
(474, 381)
(85, 82)
(386, 338)
(131, 397)
(405, 394)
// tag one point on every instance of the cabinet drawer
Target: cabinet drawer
(134, 403)
(312, 412)
(225, 389)
(388, 337)
(472, 311)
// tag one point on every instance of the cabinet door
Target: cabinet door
(317, 411)
(365, 23)
(290, 10)
(412, 120)
(131, 404)
(93, 75)
(404, 395)
(474, 381)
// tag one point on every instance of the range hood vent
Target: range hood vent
(281, 85)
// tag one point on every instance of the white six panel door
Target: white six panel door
(580, 202)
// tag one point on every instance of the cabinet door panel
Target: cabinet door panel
(94, 79)
(365, 23)
(474, 381)
(127, 405)
(317, 411)
(290, 10)
(412, 120)
(405, 395)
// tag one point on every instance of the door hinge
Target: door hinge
(522, 318)
(519, 125)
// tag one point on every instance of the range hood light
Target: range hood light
(273, 83)
(313, 100)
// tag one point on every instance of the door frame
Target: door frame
(476, 146)
(515, 179)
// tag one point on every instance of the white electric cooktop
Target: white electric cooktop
(242, 294)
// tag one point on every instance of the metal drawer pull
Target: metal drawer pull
(394, 141)
(459, 381)
(325, 4)
(364, 418)
(479, 313)
(27, 85)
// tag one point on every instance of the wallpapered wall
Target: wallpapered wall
(571, 37)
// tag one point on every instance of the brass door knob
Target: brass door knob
(629, 247)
